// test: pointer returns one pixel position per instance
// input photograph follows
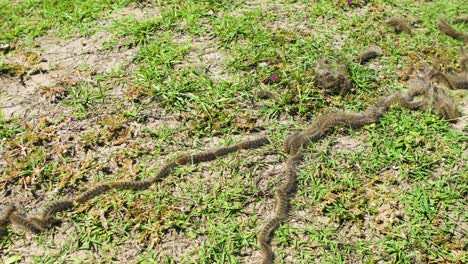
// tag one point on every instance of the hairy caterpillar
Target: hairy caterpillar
(399, 25)
(448, 30)
(23, 222)
(255, 143)
(213, 154)
(369, 54)
(453, 81)
(91, 193)
(131, 185)
(55, 207)
(332, 77)
(5, 218)
(460, 20)
(164, 171)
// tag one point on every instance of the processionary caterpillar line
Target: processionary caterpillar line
(434, 98)
(41, 222)
(451, 31)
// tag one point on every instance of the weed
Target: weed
(84, 96)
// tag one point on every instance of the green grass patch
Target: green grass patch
(30, 19)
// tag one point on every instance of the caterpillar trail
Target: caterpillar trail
(203, 157)
(131, 185)
(448, 30)
(282, 208)
(224, 151)
(434, 99)
(456, 80)
(55, 207)
(369, 54)
(210, 155)
(399, 25)
(91, 193)
(255, 143)
(330, 75)
(31, 226)
(41, 222)
(164, 171)
(460, 20)
(288, 143)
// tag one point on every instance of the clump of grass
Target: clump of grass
(8, 128)
(30, 19)
(24, 153)
(84, 96)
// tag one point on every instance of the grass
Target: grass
(26, 20)
(8, 128)
(396, 194)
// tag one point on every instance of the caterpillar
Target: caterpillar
(448, 30)
(23, 222)
(91, 193)
(399, 25)
(131, 185)
(369, 54)
(460, 20)
(55, 207)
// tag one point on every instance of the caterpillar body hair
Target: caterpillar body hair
(23, 222)
(164, 171)
(39, 221)
(448, 30)
(458, 81)
(288, 140)
(369, 54)
(5, 218)
(399, 25)
(297, 142)
(460, 20)
(442, 104)
(282, 208)
(183, 159)
(442, 78)
(291, 172)
(131, 185)
(213, 154)
(56, 207)
(377, 110)
(254, 143)
(203, 156)
(219, 152)
(91, 193)
(264, 239)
